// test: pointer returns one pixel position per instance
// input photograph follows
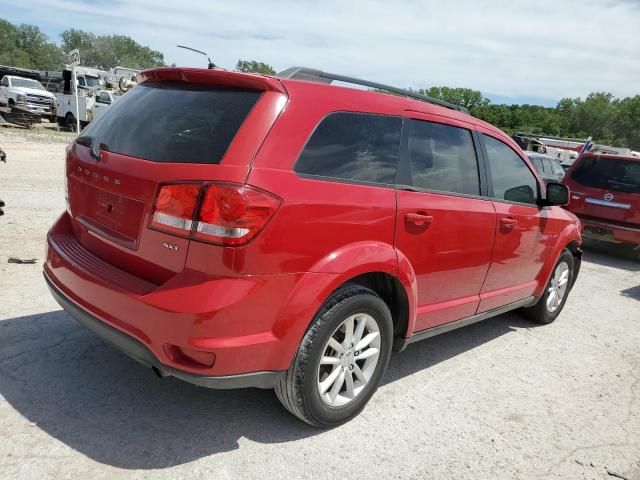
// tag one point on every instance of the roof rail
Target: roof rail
(313, 75)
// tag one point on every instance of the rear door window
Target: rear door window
(353, 146)
(173, 122)
(609, 174)
(442, 158)
(557, 169)
(511, 178)
(537, 164)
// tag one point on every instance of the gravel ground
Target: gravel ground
(501, 399)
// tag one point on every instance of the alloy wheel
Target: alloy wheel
(558, 286)
(349, 360)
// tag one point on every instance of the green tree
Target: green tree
(110, 51)
(626, 124)
(25, 46)
(43, 54)
(472, 100)
(252, 66)
(594, 116)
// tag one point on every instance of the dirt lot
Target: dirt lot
(501, 399)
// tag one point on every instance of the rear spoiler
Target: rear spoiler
(211, 77)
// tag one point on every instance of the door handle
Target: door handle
(508, 222)
(418, 219)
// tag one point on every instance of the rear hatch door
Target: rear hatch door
(178, 125)
(609, 188)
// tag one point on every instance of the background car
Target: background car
(605, 195)
(547, 167)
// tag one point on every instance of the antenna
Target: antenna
(211, 64)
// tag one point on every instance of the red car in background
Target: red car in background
(605, 195)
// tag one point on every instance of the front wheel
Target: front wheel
(341, 359)
(555, 293)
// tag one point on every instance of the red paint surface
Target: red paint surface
(250, 305)
(623, 223)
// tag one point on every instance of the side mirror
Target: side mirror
(557, 194)
(521, 194)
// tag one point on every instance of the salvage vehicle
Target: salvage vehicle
(549, 169)
(605, 195)
(238, 230)
(97, 90)
(26, 98)
(91, 104)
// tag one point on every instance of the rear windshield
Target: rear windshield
(173, 122)
(609, 174)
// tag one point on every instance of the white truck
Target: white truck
(97, 91)
(26, 95)
(91, 104)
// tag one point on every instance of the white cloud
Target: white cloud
(545, 49)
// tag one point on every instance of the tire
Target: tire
(543, 311)
(70, 122)
(299, 390)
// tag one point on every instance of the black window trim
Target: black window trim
(490, 180)
(404, 180)
(325, 178)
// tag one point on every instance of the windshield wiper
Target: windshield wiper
(85, 141)
(94, 147)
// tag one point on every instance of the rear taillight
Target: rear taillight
(221, 213)
(175, 207)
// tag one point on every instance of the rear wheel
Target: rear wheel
(70, 122)
(341, 359)
(555, 293)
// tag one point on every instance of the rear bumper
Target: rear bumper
(202, 325)
(609, 231)
(143, 355)
(196, 326)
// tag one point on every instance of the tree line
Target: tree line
(26, 46)
(609, 120)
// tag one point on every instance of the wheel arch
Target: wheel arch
(378, 267)
(394, 294)
(569, 239)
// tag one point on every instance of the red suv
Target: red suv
(605, 195)
(238, 230)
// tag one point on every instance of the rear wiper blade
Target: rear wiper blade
(95, 147)
(85, 141)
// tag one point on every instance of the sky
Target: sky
(512, 51)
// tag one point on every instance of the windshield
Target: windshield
(91, 81)
(26, 83)
(609, 173)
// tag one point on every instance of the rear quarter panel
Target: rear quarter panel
(320, 219)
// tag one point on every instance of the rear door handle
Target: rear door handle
(418, 219)
(508, 222)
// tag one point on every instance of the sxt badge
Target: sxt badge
(170, 246)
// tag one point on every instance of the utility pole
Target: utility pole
(74, 57)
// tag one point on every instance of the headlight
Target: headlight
(20, 98)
